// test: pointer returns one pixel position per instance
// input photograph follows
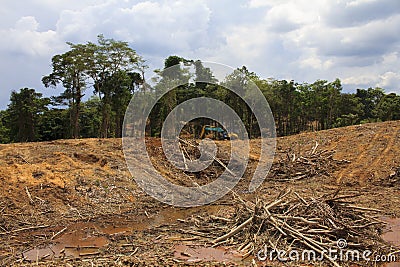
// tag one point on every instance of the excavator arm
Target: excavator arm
(203, 131)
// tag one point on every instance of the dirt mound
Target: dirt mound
(372, 149)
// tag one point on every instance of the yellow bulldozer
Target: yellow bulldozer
(218, 133)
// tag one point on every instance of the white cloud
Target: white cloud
(344, 13)
(24, 39)
(245, 43)
(358, 2)
(314, 62)
(172, 26)
(362, 79)
(354, 40)
(153, 27)
(28, 23)
(278, 19)
(389, 79)
(263, 3)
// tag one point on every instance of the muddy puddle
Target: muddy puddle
(393, 233)
(84, 239)
(393, 236)
(77, 240)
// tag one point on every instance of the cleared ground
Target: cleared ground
(73, 202)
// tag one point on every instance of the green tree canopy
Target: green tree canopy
(24, 110)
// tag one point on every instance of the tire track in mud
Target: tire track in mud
(361, 166)
(389, 146)
(385, 156)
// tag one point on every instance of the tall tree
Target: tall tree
(175, 76)
(4, 127)
(388, 108)
(91, 117)
(332, 96)
(106, 59)
(119, 88)
(370, 98)
(54, 124)
(69, 70)
(351, 110)
(24, 109)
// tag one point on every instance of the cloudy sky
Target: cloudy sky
(357, 41)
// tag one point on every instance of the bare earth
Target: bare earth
(74, 202)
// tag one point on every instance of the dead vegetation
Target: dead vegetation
(291, 166)
(293, 223)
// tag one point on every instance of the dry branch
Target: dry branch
(24, 229)
(292, 168)
(291, 221)
(234, 231)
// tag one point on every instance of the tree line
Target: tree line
(115, 72)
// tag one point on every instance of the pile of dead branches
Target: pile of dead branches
(291, 222)
(292, 167)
